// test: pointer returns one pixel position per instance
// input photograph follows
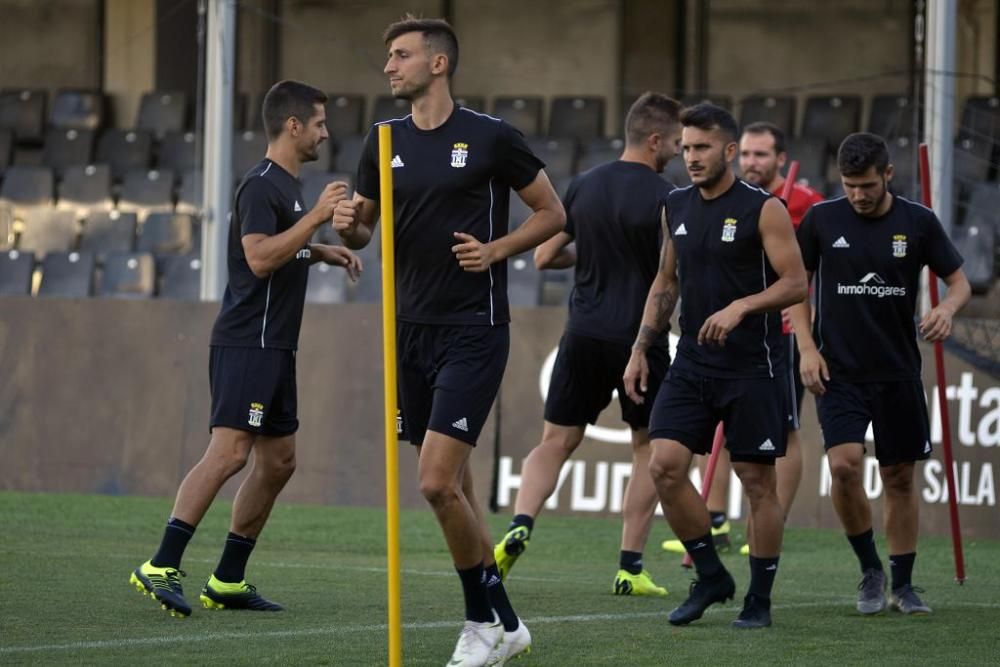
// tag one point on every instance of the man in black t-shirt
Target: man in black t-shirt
(729, 253)
(867, 250)
(453, 169)
(252, 361)
(612, 236)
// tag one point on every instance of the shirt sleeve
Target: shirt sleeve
(518, 166)
(809, 241)
(938, 252)
(367, 180)
(257, 208)
(570, 227)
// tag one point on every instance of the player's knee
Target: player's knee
(438, 492)
(898, 480)
(663, 471)
(845, 472)
(283, 468)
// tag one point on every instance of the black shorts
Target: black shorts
(253, 389)
(795, 380)
(897, 412)
(448, 378)
(754, 411)
(586, 372)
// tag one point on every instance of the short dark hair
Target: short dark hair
(763, 127)
(289, 99)
(652, 112)
(706, 116)
(439, 37)
(861, 151)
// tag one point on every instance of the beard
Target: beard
(712, 178)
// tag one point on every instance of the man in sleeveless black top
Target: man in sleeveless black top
(867, 250)
(453, 170)
(252, 360)
(731, 257)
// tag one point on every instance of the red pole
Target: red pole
(706, 483)
(949, 463)
(793, 172)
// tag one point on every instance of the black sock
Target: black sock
(477, 598)
(718, 518)
(175, 540)
(522, 520)
(762, 571)
(901, 567)
(233, 564)
(499, 600)
(630, 561)
(864, 547)
(706, 559)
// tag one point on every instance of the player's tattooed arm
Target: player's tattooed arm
(661, 300)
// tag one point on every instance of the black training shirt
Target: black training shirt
(867, 275)
(263, 312)
(454, 178)
(721, 259)
(613, 213)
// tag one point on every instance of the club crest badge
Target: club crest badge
(459, 154)
(729, 230)
(899, 245)
(256, 414)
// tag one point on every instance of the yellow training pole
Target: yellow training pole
(389, 363)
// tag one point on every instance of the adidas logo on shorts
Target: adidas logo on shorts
(462, 425)
(766, 446)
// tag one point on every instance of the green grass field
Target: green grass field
(64, 597)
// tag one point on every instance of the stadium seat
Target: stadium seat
(724, 101)
(524, 113)
(473, 102)
(23, 112)
(347, 153)
(903, 158)
(147, 191)
(599, 151)
(124, 150)
(6, 229)
(580, 118)
(67, 274)
(105, 232)
(313, 183)
(779, 110)
(16, 269)
(891, 116)
(983, 205)
(388, 107)
(369, 288)
(67, 148)
(178, 152)
(86, 189)
(676, 172)
(165, 233)
(78, 110)
(981, 119)
(128, 275)
(27, 186)
(812, 156)
(345, 114)
(189, 194)
(976, 243)
(327, 284)
(830, 118)
(47, 230)
(181, 278)
(6, 149)
(524, 281)
(161, 112)
(972, 162)
(559, 155)
(249, 148)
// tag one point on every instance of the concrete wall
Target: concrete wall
(50, 43)
(129, 49)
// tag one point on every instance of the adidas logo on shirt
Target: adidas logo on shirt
(397, 162)
(841, 243)
(681, 231)
(297, 207)
(462, 425)
(766, 446)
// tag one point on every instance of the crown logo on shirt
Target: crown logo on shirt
(729, 230)
(459, 154)
(899, 245)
